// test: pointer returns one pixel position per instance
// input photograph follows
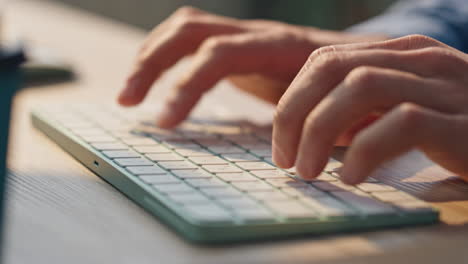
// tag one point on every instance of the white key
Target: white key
(209, 160)
(222, 192)
(291, 209)
(285, 182)
(139, 141)
(109, 146)
(270, 196)
(333, 186)
(226, 149)
(240, 157)
(300, 192)
(365, 204)
(325, 177)
(142, 170)
(174, 165)
(221, 168)
(270, 174)
(89, 131)
(192, 174)
(333, 165)
(253, 186)
(255, 165)
(415, 206)
(237, 176)
(120, 154)
(206, 183)
(195, 152)
(255, 214)
(133, 162)
(328, 206)
(159, 179)
(375, 187)
(101, 138)
(189, 198)
(174, 188)
(394, 196)
(152, 149)
(209, 213)
(164, 157)
(238, 202)
(261, 150)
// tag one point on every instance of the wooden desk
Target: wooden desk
(59, 212)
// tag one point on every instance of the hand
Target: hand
(261, 57)
(417, 85)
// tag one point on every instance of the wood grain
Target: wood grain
(59, 212)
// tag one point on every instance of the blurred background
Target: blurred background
(330, 14)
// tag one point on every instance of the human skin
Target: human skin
(381, 98)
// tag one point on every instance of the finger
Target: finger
(322, 74)
(218, 57)
(405, 127)
(364, 91)
(163, 51)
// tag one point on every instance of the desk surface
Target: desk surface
(59, 212)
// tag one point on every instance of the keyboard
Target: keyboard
(214, 180)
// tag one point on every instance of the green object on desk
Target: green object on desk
(9, 83)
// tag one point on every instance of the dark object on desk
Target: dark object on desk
(9, 83)
(44, 67)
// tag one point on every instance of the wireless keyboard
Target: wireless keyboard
(214, 181)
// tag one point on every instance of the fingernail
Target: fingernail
(128, 92)
(279, 158)
(164, 117)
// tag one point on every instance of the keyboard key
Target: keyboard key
(255, 165)
(96, 139)
(364, 204)
(255, 214)
(206, 183)
(237, 176)
(209, 213)
(164, 157)
(177, 165)
(393, 196)
(240, 157)
(89, 131)
(375, 187)
(325, 177)
(291, 209)
(190, 198)
(333, 186)
(109, 146)
(133, 162)
(221, 168)
(142, 170)
(333, 165)
(195, 152)
(181, 144)
(174, 188)
(222, 192)
(270, 174)
(270, 196)
(226, 149)
(152, 149)
(307, 191)
(208, 160)
(328, 206)
(120, 154)
(261, 150)
(159, 179)
(253, 186)
(192, 174)
(139, 141)
(285, 182)
(415, 206)
(240, 202)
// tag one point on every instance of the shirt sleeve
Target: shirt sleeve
(444, 20)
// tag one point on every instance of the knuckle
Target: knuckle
(320, 52)
(328, 62)
(217, 45)
(418, 40)
(359, 80)
(186, 11)
(410, 115)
